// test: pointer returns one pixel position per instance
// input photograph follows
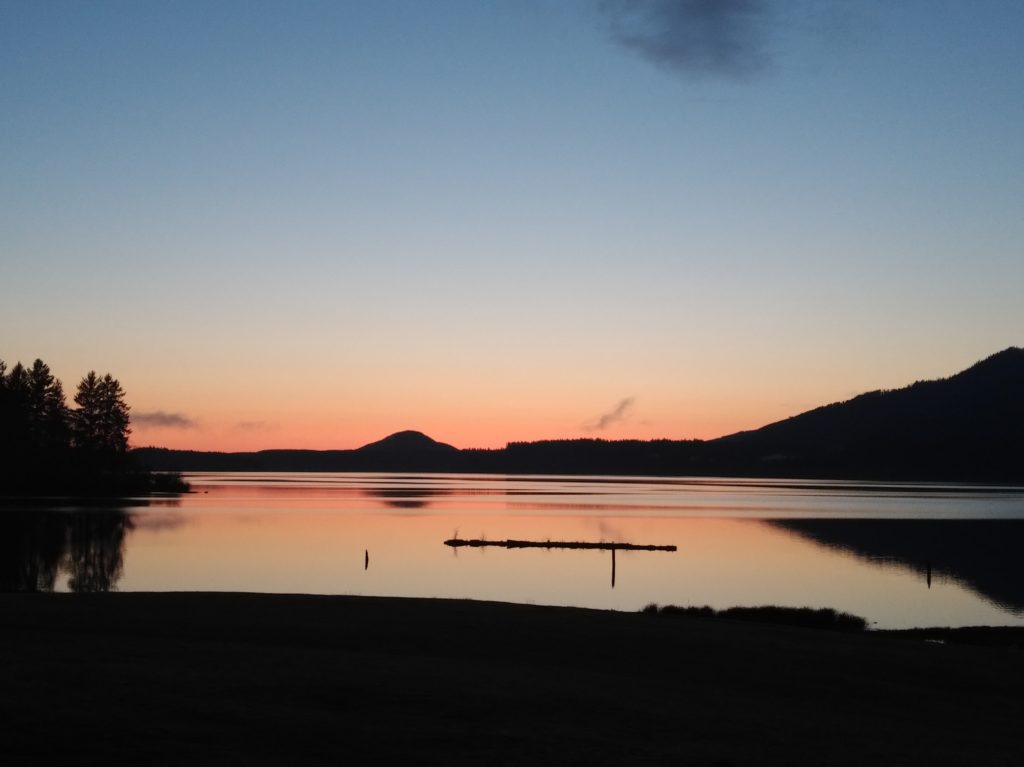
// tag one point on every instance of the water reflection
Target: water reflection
(984, 555)
(740, 543)
(158, 521)
(405, 497)
(37, 547)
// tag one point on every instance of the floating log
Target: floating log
(511, 544)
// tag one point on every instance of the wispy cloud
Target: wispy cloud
(618, 413)
(255, 426)
(163, 420)
(696, 38)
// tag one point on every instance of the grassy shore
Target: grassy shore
(264, 679)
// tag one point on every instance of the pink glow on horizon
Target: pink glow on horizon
(336, 434)
(331, 409)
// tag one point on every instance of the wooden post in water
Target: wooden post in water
(613, 568)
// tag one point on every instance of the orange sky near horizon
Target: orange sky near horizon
(266, 414)
(299, 421)
(234, 400)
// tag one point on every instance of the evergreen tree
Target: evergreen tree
(100, 424)
(6, 423)
(17, 385)
(46, 411)
(115, 415)
(45, 447)
(5, 400)
(85, 421)
(14, 426)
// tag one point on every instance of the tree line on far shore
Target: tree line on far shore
(51, 448)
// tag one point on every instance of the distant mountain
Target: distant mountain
(402, 451)
(969, 427)
(407, 442)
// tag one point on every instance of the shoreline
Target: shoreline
(207, 677)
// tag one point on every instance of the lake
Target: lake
(899, 555)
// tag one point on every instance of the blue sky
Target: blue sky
(313, 223)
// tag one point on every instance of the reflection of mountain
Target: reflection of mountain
(37, 546)
(405, 497)
(984, 555)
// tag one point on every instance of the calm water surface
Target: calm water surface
(899, 555)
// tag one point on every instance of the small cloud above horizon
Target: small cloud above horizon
(695, 38)
(256, 426)
(618, 413)
(163, 420)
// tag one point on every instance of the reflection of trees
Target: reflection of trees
(36, 546)
(32, 546)
(95, 557)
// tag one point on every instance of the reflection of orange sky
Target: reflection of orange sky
(721, 562)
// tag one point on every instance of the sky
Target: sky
(311, 224)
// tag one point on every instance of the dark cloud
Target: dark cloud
(164, 420)
(616, 414)
(696, 38)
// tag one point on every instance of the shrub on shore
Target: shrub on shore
(805, 617)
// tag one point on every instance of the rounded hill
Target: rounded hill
(407, 442)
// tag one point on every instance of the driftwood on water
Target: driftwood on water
(511, 544)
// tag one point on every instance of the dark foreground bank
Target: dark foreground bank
(263, 679)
